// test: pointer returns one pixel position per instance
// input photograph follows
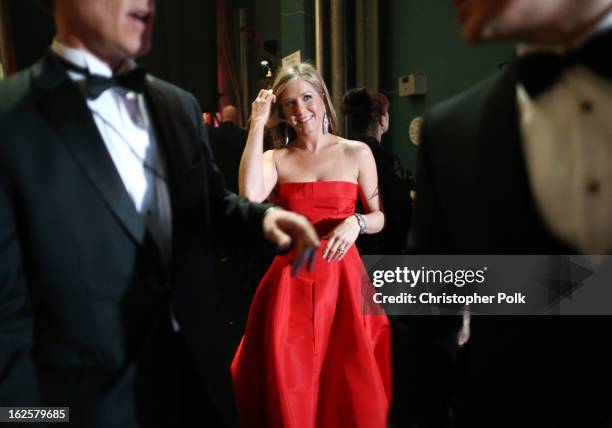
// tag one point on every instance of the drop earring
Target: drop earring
(286, 135)
(325, 124)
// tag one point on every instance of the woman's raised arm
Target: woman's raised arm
(257, 175)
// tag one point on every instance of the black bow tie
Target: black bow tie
(95, 84)
(538, 72)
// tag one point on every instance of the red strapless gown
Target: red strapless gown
(314, 354)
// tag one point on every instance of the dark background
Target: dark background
(184, 46)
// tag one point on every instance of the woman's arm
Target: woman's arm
(346, 233)
(257, 175)
(369, 190)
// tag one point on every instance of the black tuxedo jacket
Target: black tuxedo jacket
(474, 197)
(84, 301)
(227, 142)
(474, 191)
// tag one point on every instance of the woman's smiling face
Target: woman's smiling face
(303, 107)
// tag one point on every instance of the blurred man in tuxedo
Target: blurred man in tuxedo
(520, 164)
(109, 206)
(227, 142)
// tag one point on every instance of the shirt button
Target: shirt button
(592, 187)
(586, 106)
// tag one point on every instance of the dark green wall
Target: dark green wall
(416, 36)
(267, 20)
(297, 26)
(423, 36)
(289, 22)
(267, 15)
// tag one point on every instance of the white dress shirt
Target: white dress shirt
(567, 141)
(125, 125)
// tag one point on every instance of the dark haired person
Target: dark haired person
(417, 394)
(368, 119)
(521, 164)
(109, 200)
(227, 142)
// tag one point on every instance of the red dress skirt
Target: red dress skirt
(316, 351)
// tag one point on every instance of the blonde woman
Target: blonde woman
(314, 353)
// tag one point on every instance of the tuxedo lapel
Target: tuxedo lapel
(514, 222)
(63, 106)
(501, 156)
(173, 128)
(179, 139)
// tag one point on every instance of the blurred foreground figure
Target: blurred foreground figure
(108, 203)
(520, 164)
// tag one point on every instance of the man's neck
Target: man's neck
(74, 42)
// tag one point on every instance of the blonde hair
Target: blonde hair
(278, 128)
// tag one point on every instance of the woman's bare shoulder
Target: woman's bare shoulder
(353, 147)
(275, 153)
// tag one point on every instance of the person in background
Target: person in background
(520, 164)
(110, 204)
(227, 142)
(313, 354)
(240, 267)
(368, 119)
(418, 394)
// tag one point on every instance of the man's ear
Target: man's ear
(382, 121)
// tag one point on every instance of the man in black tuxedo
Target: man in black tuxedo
(227, 142)
(515, 166)
(109, 198)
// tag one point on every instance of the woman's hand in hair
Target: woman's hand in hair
(261, 107)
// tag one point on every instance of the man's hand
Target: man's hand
(285, 228)
(464, 333)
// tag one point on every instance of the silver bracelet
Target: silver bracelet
(361, 222)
